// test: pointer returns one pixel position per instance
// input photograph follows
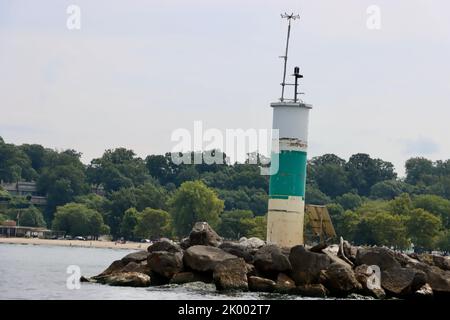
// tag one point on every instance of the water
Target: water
(40, 272)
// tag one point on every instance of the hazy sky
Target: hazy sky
(138, 70)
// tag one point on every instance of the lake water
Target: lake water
(40, 272)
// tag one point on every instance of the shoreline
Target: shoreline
(76, 243)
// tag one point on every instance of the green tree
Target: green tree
(150, 195)
(30, 217)
(193, 201)
(423, 228)
(364, 172)
(15, 164)
(94, 201)
(257, 227)
(4, 195)
(78, 220)
(349, 201)
(119, 202)
(383, 229)
(436, 205)
(388, 189)
(443, 242)
(419, 171)
(330, 177)
(347, 225)
(153, 224)
(231, 225)
(129, 222)
(314, 196)
(62, 179)
(401, 205)
(117, 169)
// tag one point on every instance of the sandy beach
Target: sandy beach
(76, 243)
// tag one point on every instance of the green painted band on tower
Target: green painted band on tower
(290, 180)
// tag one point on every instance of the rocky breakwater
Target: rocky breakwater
(253, 265)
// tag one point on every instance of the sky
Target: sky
(136, 71)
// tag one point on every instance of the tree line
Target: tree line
(131, 197)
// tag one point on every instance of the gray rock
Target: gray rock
(238, 250)
(402, 281)
(184, 243)
(306, 265)
(435, 260)
(137, 257)
(166, 263)
(259, 284)
(384, 258)
(116, 266)
(187, 277)
(231, 274)
(269, 259)
(438, 279)
(205, 258)
(126, 279)
(164, 245)
(311, 290)
(284, 284)
(203, 234)
(252, 244)
(142, 267)
(341, 280)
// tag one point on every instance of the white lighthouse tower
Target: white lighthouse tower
(286, 212)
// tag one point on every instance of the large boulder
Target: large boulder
(270, 260)
(187, 276)
(259, 284)
(114, 267)
(311, 290)
(402, 281)
(251, 244)
(132, 266)
(434, 260)
(341, 280)
(205, 258)
(165, 263)
(306, 265)
(382, 257)
(125, 279)
(137, 257)
(203, 234)
(231, 274)
(370, 281)
(164, 245)
(284, 284)
(238, 250)
(438, 279)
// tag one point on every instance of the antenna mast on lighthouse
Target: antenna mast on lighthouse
(289, 17)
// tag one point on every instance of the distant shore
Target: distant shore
(76, 243)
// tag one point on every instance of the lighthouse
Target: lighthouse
(286, 208)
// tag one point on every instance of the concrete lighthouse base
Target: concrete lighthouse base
(285, 221)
